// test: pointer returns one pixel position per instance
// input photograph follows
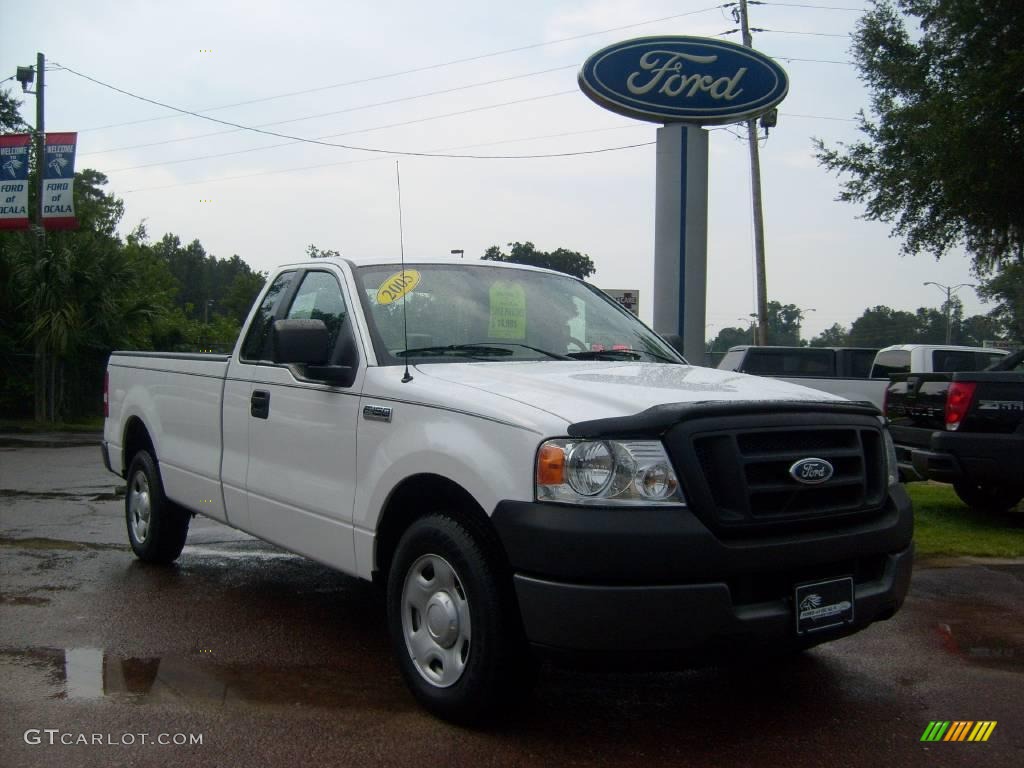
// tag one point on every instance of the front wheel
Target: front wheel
(453, 626)
(988, 498)
(156, 526)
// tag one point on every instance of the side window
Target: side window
(319, 298)
(887, 363)
(255, 346)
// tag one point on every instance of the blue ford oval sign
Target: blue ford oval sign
(811, 471)
(683, 79)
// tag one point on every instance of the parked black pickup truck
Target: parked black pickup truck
(963, 428)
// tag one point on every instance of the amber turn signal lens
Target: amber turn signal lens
(551, 465)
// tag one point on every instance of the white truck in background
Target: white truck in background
(857, 374)
(524, 465)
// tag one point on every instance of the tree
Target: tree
(315, 253)
(943, 154)
(883, 326)
(561, 260)
(1007, 289)
(836, 336)
(10, 114)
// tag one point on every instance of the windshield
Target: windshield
(459, 313)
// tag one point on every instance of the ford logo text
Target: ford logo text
(683, 79)
(811, 471)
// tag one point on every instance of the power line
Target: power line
(371, 159)
(344, 133)
(375, 150)
(334, 112)
(415, 70)
(806, 5)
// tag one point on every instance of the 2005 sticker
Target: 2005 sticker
(397, 286)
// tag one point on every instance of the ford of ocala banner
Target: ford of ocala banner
(683, 79)
(59, 181)
(14, 181)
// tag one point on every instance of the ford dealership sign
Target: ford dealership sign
(676, 79)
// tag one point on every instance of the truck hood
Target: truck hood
(584, 390)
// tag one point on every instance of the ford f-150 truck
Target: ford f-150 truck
(524, 466)
(963, 428)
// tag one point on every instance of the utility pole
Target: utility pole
(755, 189)
(40, 144)
(950, 290)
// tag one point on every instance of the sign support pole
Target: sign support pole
(681, 236)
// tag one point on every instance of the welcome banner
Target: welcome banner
(59, 181)
(14, 181)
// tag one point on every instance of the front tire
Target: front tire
(156, 526)
(988, 498)
(453, 623)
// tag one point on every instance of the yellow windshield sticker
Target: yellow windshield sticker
(508, 312)
(396, 286)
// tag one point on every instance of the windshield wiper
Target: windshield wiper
(479, 349)
(554, 355)
(630, 354)
(469, 350)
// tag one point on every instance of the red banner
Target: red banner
(59, 181)
(14, 181)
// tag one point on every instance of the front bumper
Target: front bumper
(657, 580)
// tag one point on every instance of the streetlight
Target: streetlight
(800, 320)
(206, 311)
(460, 252)
(950, 290)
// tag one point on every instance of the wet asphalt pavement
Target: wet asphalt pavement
(271, 659)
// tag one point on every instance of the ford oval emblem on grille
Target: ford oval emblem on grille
(811, 471)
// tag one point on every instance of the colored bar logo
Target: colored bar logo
(958, 730)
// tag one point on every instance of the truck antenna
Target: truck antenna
(405, 299)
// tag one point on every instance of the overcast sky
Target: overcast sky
(266, 204)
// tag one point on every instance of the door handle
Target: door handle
(259, 404)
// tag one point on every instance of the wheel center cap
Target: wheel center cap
(443, 619)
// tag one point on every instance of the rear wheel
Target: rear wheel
(156, 526)
(453, 627)
(989, 498)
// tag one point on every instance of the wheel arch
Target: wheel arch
(136, 438)
(419, 495)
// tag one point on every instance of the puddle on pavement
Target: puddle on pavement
(985, 640)
(109, 495)
(37, 542)
(90, 673)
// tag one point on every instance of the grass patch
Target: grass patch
(943, 525)
(24, 426)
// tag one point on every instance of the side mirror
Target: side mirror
(304, 342)
(300, 341)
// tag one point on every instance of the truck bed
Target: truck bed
(179, 395)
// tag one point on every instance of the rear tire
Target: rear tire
(452, 619)
(988, 498)
(156, 526)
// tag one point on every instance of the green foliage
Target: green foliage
(835, 336)
(68, 301)
(784, 322)
(10, 116)
(1007, 289)
(561, 260)
(943, 154)
(315, 253)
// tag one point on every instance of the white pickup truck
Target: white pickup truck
(524, 465)
(857, 374)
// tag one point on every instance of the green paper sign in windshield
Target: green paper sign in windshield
(508, 312)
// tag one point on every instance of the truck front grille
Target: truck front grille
(737, 470)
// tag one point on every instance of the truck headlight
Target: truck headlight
(607, 472)
(892, 468)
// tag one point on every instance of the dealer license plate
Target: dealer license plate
(823, 605)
